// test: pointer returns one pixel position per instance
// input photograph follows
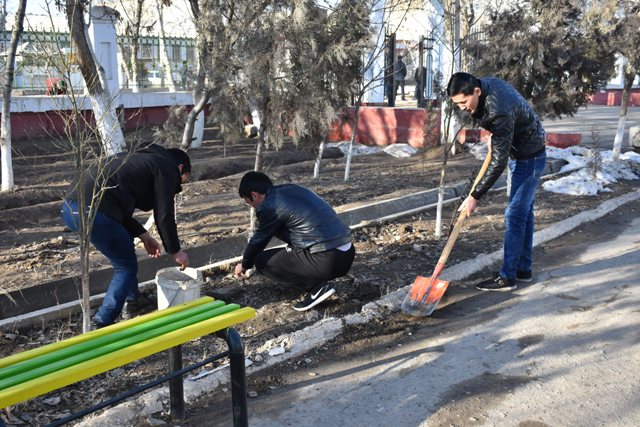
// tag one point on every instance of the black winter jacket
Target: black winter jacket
(298, 217)
(147, 180)
(515, 129)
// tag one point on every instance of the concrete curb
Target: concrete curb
(299, 342)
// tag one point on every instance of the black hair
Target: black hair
(181, 158)
(462, 83)
(254, 181)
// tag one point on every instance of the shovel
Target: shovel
(426, 292)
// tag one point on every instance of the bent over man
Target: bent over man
(319, 246)
(147, 179)
(517, 139)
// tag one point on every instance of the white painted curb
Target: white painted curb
(300, 342)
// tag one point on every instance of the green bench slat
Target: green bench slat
(68, 342)
(89, 350)
(40, 370)
(101, 341)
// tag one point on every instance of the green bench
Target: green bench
(29, 374)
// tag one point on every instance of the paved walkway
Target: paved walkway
(601, 119)
(560, 351)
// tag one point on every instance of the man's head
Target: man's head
(253, 186)
(464, 90)
(399, 57)
(184, 163)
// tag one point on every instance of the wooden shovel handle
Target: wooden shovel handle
(463, 214)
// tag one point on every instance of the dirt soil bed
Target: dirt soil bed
(34, 247)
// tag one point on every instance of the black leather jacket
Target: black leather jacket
(147, 180)
(298, 217)
(515, 129)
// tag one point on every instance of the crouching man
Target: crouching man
(319, 246)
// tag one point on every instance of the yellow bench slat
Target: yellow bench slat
(49, 348)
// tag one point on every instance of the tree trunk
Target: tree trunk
(5, 131)
(316, 167)
(354, 131)
(104, 112)
(164, 58)
(629, 77)
(135, 46)
(85, 305)
(188, 140)
(200, 95)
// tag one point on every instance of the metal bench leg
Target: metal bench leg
(176, 389)
(238, 378)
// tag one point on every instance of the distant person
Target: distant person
(319, 246)
(517, 139)
(399, 75)
(147, 179)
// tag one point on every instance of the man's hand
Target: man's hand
(239, 271)
(470, 204)
(150, 245)
(181, 258)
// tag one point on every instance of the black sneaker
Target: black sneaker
(524, 276)
(498, 283)
(314, 298)
(138, 306)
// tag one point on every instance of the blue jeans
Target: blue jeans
(113, 241)
(519, 220)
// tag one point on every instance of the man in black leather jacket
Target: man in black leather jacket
(319, 246)
(517, 140)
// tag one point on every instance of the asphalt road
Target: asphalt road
(596, 120)
(561, 351)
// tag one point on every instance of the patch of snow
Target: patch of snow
(400, 150)
(584, 181)
(357, 150)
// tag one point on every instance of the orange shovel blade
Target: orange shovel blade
(424, 295)
(419, 288)
(435, 295)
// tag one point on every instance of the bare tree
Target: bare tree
(164, 58)
(104, 111)
(201, 94)
(5, 132)
(626, 39)
(132, 29)
(80, 136)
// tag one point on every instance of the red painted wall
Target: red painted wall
(386, 125)
(613, 97)
(34, 125)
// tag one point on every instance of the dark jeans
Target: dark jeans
(113, 241)
(397, 83)
(301, 269)
(519, 220)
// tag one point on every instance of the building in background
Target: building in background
(45, 46)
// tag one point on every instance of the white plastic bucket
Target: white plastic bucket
(176, 287)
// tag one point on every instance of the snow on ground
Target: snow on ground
(395, 150)
(592, 170)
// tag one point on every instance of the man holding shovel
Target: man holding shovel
(517, 140)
